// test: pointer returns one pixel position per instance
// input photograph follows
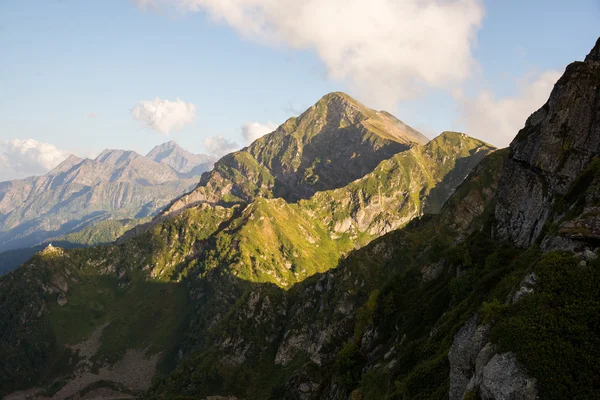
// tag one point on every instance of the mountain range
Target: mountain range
(306, 266)
(80, 192)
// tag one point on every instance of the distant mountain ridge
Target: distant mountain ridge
(80, 192)
(181, 160)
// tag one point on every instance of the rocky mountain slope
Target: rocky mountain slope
(328, 146)
(270, 240)
(78, 192)
(455, 305)
(475, 302)
(266, 240)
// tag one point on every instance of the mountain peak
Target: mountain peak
(164, 147)
(453, 136)
(454, 141)
(595, 53)
(113, 156)
(171, 144)
(341, 99)
(334, 142)
(333, 96)
(181, 160)
(71, 161)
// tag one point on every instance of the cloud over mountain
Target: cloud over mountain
(254, 130)
(498, 120)
(386, 50)
(219, 146)
(164, 116)
(22, 158)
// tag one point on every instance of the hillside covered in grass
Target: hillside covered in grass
(105, 297)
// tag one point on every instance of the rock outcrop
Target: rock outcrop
(548, 194)
(477, 368)
(558, 142)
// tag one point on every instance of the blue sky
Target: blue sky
(72, 71)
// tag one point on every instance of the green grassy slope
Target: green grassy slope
(132, 287)
(316, 332)
(102, 232)
(381, 324)
(268, 240)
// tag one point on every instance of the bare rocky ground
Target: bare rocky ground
(134, 371)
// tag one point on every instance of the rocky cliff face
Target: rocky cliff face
(401, 188)
(477, 368)
(547, 197)
(558, 142)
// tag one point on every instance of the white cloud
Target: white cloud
(386, 50)
(254, 130)
(22, 158)
(220, 146)
(164, 116)
(145, 3)
(92, 115)
(498, 120)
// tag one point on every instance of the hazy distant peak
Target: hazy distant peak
(169, 146)
(181, 160)
(67, 164)
(113, 157)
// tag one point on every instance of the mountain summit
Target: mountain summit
(181, 160)
(334, 142)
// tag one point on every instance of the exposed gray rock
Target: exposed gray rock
(557, 143)
(589, 255)
(484, 356)
(594, 55)
(433, 270)
(468, 342)
(525, 287)
(61, 299)
(504, 379)
(475, 367)
(559, 243)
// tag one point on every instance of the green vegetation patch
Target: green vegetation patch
(555, 331)
(138, 314)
